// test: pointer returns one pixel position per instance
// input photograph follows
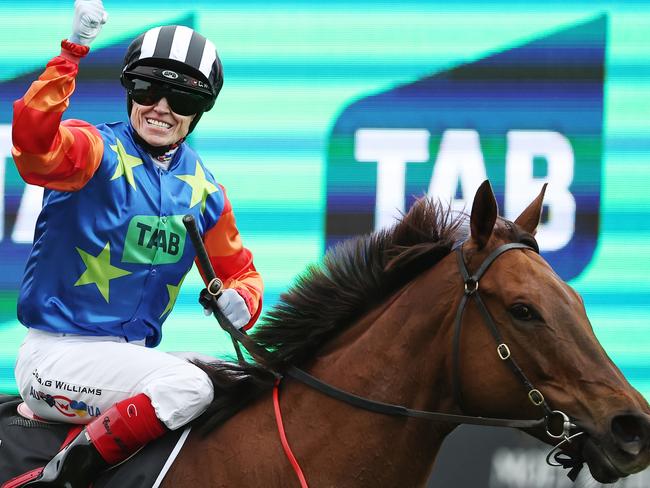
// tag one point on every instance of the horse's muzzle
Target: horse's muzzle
(622, 451)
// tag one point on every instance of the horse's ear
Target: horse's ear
(484, 214)
(529, 218)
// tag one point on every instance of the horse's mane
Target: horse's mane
(355, 276)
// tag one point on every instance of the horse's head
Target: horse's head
(543, 323)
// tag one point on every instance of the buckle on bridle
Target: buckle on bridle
(471, 286)
(503, 351)
(536, 397)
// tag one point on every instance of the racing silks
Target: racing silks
(110, 251)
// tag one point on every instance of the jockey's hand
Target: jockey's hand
(230, 303)
(89, 17)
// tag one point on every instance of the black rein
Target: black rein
(298, 374)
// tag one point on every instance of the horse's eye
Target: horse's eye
(523, 312)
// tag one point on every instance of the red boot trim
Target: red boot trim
(20, 480)
(124, 428)
(36, 472)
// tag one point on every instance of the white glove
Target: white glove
(234, 307)
(89, 17)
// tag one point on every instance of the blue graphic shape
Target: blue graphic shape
(78, 405)
(552, 83)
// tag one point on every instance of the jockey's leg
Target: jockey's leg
(109, 439)
(130, 395)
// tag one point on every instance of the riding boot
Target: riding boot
(109, 439)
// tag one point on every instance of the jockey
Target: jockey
(110, 250)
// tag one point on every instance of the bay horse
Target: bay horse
(402, 316)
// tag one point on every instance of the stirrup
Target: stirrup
(76, 465)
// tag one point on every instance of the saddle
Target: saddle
(28, 443)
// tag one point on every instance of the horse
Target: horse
(411, 317)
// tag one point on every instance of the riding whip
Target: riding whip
(214, 284)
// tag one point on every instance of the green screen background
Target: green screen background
(291, 67)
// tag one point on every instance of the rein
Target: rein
(471, 285)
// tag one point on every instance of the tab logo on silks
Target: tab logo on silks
(525, 116)
(154, 240)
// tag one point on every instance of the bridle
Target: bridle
(471, 291)
(471, 287)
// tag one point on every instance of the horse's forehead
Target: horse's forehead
(525, 264)
(526, 272)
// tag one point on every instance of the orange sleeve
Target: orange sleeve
(232, 262)
(48, 153)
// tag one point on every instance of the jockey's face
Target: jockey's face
(158, 125)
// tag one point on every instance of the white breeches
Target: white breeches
(72, 378)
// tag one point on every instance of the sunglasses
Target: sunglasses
(181, 102)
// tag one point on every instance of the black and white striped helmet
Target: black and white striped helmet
(176, 50)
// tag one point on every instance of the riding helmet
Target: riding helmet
(178, 56)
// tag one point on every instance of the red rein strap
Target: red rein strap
(283, 436)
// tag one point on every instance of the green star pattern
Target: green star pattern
(173, 295)
(201, 187)
(99, 270)
(125, 164)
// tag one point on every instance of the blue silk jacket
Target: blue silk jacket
(110, 251)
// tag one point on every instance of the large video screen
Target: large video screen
(336, 115)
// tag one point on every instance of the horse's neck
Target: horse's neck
(399, 353)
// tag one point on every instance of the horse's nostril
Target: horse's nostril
(629, 433)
